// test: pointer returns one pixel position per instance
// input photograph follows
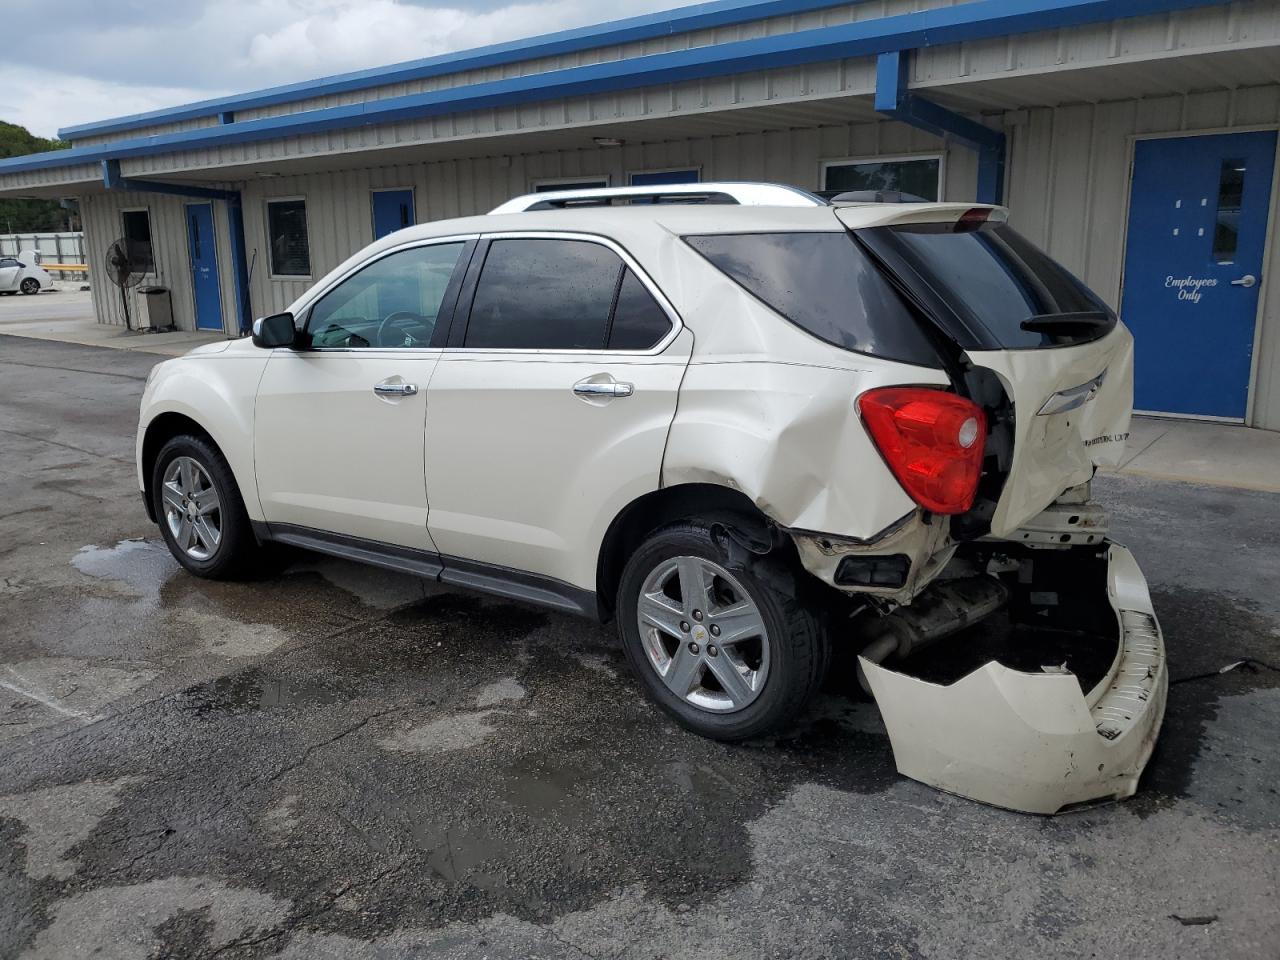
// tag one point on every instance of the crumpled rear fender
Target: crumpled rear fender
(790, 438)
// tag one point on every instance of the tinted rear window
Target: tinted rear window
(994, 278)
(544, 294)
(825, 284)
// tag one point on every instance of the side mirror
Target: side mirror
(274, 331)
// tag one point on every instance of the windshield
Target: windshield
(997, 282)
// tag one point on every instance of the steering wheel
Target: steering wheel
(390, 321)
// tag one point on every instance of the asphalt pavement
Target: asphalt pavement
(339, 762)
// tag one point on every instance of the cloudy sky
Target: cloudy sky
(83, 60)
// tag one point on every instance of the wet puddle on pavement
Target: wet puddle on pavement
(143, 565)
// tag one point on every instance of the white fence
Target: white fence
(50, 248)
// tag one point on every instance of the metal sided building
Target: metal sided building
(1135, 140)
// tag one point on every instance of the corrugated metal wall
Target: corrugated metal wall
(339, 214)
(1068, 191)
(103, 225)
(1067, 187)
(1237, 27)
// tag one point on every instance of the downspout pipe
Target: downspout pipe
(895, 100)
(112, 180)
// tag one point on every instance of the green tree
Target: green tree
(30, 216)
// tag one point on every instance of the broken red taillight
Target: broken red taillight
(932, 441)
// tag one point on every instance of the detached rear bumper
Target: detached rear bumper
(1034, 741)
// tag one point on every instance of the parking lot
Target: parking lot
(341, 762)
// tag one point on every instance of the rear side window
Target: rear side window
(552, 294)
(543, 294)
(995, 280)
(825, 284)
(638, 322)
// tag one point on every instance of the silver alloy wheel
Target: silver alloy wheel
(30, 285)
(703, 634)
(192, 510)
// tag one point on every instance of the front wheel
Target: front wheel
(30, 285)
(719, 636)
(201, 514)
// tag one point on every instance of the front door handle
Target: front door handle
(601, 390)
(392, 388)
(1248, 280)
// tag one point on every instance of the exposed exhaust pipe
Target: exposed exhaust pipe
(943, 608)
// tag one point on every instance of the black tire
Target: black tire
(29, 286)
(797, 639)
(237, 553)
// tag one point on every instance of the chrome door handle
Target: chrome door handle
(388, 389)
(1248, 280)
(593, 389)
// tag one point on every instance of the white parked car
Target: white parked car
(23, 274)
(749, 430)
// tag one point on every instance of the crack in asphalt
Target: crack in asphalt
(67, 446)
(97, 373)
(292, 922)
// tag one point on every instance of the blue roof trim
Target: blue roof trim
(701, 16)
(970, 21)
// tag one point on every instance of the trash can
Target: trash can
(159, 305)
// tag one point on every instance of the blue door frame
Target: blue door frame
(1198, 213)
(392, 211)
(202, 247)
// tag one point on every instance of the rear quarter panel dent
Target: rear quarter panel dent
(790, 438)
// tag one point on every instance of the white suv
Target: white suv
(749, 425)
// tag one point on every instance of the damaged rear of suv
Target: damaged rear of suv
(1011, 647)
(749, 425)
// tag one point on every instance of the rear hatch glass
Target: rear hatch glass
(1065, 364)
(989, 286)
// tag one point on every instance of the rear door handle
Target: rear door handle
(597, 390)
(389, 388)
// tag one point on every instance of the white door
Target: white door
(338, 425)
(552, 412)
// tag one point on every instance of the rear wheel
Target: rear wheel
(718, 635)
(201, 514)
(29, 286)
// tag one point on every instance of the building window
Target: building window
(585, 183)
(136, 225)
(660, 178)
(918, 176)
(1226, 230)
(287, 238)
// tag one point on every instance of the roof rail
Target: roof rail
(744, 194)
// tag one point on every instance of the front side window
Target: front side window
(393, 302)
(137, 236)
(544, 294)
(287, 242)
(916, 176)
(826, 285)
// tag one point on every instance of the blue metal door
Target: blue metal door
(392, 211)
(202, 247)
(1193, 268)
